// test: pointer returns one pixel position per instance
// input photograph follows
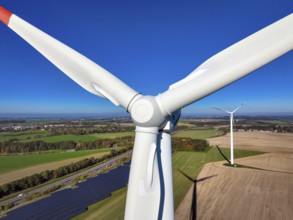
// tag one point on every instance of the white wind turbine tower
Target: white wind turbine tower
(231, 130)
(150, 186)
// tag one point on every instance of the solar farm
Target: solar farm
(66, 204)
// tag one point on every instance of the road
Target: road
(92, 171)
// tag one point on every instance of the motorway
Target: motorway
(67, 181)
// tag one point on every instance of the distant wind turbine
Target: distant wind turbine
(231, 130)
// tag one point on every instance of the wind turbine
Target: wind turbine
(150, 186)
(231, 130)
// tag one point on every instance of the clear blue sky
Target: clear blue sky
(148, 44)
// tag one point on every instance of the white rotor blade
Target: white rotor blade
(237, 108)
(83, 71)
(231, 64)
(223, 110)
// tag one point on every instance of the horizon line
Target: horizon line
(125, 115)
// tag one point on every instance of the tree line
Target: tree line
(189, 144)
(273, 128)
(12, 146)
(90, 130)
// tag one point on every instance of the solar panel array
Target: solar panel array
(68, 203)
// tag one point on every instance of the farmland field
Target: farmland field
(191, 164)
(23, 135)
(85, 138)
(11, 163)
(260, 141)
(266, 192)
(36, 135)
(188, 162)
(18, 166)
(199, 134)
(247, 193)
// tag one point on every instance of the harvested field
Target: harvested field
(246, 193)
(259, 141)
(277, 162)
(241, 193)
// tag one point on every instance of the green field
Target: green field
(37, 135)
(23, 135)
(28, 136)
(81, 138)
(15, 162)
(199, 134)
(189, 162)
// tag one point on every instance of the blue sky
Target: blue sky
(147, 44)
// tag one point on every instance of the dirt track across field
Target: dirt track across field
(223, 192)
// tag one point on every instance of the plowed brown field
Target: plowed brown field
(246, 193)
(259, 141)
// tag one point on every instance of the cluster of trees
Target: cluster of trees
(210, 124)
(12, 146)
(246, 124)
(189, 144)
(6, 207)
(288, 129)
(90, 130)
(126, 141)
(181, 127)
(36, 179)
(274, 128)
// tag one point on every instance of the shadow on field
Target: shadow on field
(223, 155)
(193, 207)
(237, 165)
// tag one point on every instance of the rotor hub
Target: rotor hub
(145, 112)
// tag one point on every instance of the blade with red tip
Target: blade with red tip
(5, 15)
(83, 71)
